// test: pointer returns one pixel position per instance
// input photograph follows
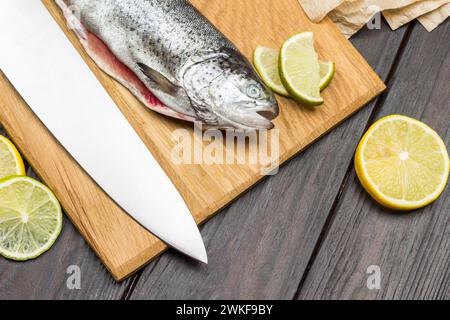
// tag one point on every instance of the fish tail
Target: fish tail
(73, 17)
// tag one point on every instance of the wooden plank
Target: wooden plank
(122, 244)
(259, 247)
(411, 249)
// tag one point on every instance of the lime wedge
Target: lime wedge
(10, 161)
(327, 70)
(30, 218)
(300, 69)
(265, 61)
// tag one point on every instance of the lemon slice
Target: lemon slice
(327, 70)
(300, 69)
(30, 218)
(10, 161)
(402, 163)
(266, 61)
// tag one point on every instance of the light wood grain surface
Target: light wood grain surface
(121, 243)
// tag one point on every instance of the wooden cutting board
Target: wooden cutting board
(122, 244)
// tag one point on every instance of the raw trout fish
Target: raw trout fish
(174, 60)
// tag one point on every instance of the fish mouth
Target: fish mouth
(268, 114)
(257, 120)
(262, 118)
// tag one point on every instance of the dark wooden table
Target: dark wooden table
(310, 232)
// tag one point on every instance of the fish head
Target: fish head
(228, 87)
(241, 99)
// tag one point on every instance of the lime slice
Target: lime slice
(30, 218)
(327, 70)
(402, 163)
(10, 161)
(266, 63)
(300, 69)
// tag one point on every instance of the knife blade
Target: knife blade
(59, 87)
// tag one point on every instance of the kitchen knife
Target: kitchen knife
(53, 79)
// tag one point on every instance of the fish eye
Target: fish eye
(253, 91)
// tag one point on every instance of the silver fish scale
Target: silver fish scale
(198, 84)
(172, 30)
(178, 54)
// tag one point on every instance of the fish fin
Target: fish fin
(160, 80)
(173, 96)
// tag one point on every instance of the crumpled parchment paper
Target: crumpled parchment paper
(352, 15)
(316, 10)
(433, 19)
(398, 17)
